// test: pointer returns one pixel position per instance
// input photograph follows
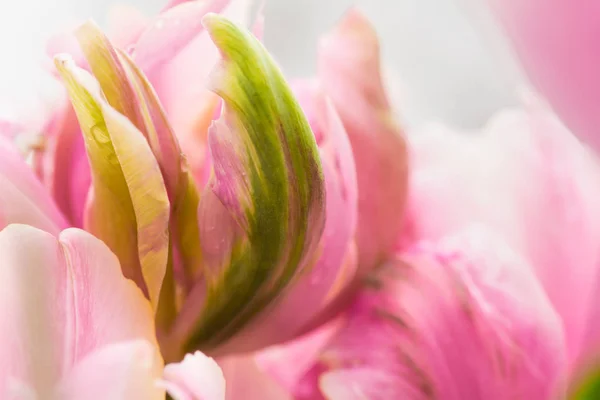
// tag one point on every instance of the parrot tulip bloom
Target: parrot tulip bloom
(257, 224)
(74, 327)
(461, 318)
(136, 84)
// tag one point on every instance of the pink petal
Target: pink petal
(63, 165)
(122, 371)
(125, 25)
(22, 198)
(61, 300)
(464, 318)
(529, 180)
(181, 83)
(291, 364)
(173, 30)
(557, 42)
(197, 377)
(349, 70)
(246, 381)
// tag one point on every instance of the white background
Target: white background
(445, 59)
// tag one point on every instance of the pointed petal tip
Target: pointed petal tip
(61, 59)
(353, 23)
(210, 19)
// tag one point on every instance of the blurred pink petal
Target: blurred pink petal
(22, 198)
(118, 371)
(291, 364)
(464, 318)
(528, 179)
(125, 25)
(197, 377)
(349, 71)
(62, 300)
(557, 41)
(245, 380)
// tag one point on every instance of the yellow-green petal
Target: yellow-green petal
(129, 207)
(128, 90)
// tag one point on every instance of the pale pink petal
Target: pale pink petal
(121, 371)
(528, 179)
(125, 25)
(366, 383)
(197, 377)
(349, 71)
(172, 30)
(291, 364)
(245, 380)
(181, 84)
(557, 42)
(23, 199)
(61, 300)
(64, 43)
(464, 318)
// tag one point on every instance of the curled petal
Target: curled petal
(129, 208)
(334, 268)
(268, 177)
(349, 70)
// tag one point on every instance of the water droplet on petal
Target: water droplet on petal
(99, 135)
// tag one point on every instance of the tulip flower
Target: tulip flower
(74, 327)
(556, 42)
(464, 317)
(255, 226)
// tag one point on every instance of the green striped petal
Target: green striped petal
(262, 213)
